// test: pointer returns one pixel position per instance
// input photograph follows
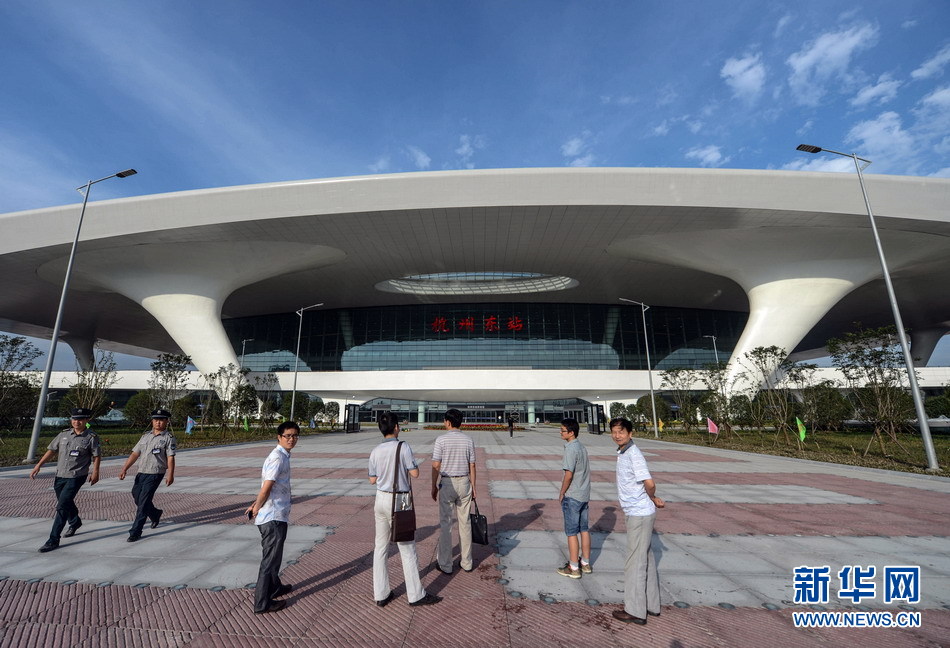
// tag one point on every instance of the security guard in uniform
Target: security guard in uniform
(77, 449)
(157, 449)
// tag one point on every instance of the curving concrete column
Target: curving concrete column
(924, 341)
(185, 285)
(83, 348)
(790, 286)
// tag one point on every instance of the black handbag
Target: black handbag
(403, 528)
(479, 526)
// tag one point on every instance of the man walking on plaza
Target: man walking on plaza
(157, 449)
(392, 481)
(575, 499)
(637, 493)
(77, 449)
(271, 514)
(453, 486)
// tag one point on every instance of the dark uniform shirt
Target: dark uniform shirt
(155, 449)
(75, 452)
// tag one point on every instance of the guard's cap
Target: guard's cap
(161, 414)
(80, 413)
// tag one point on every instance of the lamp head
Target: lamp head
(808, 148)
(126, 173)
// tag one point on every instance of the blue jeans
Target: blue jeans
(575, 516)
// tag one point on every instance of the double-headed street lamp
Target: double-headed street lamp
(932, 463)
(293, 394)
(243, 343)
(715, 349)
(44, 390)
(646, 342)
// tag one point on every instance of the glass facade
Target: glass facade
(484, 336)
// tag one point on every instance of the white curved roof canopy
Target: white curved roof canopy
(156, 273)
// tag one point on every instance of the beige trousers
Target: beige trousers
(455, 499)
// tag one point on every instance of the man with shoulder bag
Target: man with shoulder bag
(391, 465)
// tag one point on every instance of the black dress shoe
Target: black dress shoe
(622, 615)
(49, 546)
(157, 518)
(133, 538)
(653, 613)
(71, 531)
(386, 600)
(284, 590)
(428, 599)
(274, 607)
(442, 570)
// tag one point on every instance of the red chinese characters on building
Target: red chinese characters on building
(467, 324)
(491, 323)
(439, 325)
(515, 323)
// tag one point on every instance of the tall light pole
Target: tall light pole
(244, 342)
(932, 463)
(44, 390)
(646, 342)
(715, 349)
(293, 394)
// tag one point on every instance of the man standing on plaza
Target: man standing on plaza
(575, 499)
(453, 486)
(77, 449)
(637, 493)
(157, 449)
(392, 483)
(271, 514)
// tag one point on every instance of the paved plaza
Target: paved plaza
(735, 527)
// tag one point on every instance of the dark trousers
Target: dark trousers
(66, 509)
(273, 535)
(142, 492)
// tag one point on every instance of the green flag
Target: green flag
(246, 428)
(801, 428)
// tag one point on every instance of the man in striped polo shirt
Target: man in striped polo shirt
(453, 487)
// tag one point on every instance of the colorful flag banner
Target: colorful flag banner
(712, 427)
(660, 424)
(189, 424)
(246, 427)
(801, 429)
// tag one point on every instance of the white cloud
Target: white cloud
(746, 76)
(707, 156)
(806, 127)
(381, 165)
(623, 100)
(467, 147)
(820, 163)
(908, 24)
(932, 115)
(583, 161)
(418, 157)
(662, 129)
(933, 66)
(826, 59)
(694, 126)
(881, 92)
(572, 147)
(941, 173)
(884, 140)
(781, 25)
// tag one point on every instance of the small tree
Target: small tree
(169, 379)
(91, 384)
(18, 391)
(680, 383)
(139, 408)
(268, 391)
(331, 411)
(618, 410)
(872, 363)
(764, 368)
(663, 410)
(222, 386)
(717, 403)
(938, 405)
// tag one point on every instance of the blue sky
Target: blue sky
(207, 94)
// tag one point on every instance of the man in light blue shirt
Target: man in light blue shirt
(271, 511)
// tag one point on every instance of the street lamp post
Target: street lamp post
(244, 342)
(932, 463)
(715, 349)
(293, 393)
(646, 342)
(44, 390)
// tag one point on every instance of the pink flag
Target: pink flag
(713, 428)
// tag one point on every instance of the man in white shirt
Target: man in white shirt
(271, 514)
(636, 491)
(392, 481)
